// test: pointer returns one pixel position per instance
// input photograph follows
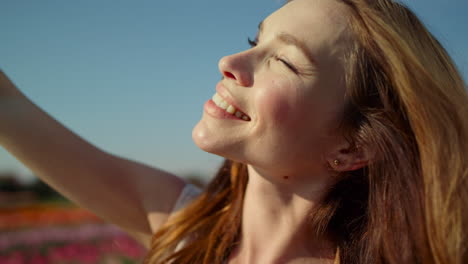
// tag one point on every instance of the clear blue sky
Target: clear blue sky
(131, 76)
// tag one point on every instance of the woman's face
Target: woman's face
(290, 86)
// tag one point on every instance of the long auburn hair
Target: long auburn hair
(408, 103)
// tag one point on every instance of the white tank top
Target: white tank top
(189, 193)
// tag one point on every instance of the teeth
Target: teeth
(223, 105)
(215, 98)
(229, 108)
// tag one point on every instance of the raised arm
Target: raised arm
(131, 195)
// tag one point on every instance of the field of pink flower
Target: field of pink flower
(62, 234)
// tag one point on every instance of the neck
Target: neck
(274, 220)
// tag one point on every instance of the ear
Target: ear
(346, 157)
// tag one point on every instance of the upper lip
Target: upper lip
(225, 94)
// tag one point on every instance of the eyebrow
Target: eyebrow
(289, 39)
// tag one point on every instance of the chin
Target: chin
(206, 139)
(200, 137)
(213, 141)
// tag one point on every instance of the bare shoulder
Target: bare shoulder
(169, 192)
(156, 192)
(156, 213)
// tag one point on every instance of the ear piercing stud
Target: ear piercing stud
(336, 162)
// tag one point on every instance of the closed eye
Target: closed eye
(285, 62)
(254, 43)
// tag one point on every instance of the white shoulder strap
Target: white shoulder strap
(189, 193)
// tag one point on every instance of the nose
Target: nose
(237, 67)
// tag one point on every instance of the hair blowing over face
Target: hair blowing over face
(406, 102)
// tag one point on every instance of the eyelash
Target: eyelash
(254, 43)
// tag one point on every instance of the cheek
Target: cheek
(276, 102)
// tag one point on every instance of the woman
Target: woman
(345, 133)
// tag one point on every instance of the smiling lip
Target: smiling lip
(222, 107)
(224, 94)
(215, 111)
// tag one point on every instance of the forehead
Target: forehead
(322, 25)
